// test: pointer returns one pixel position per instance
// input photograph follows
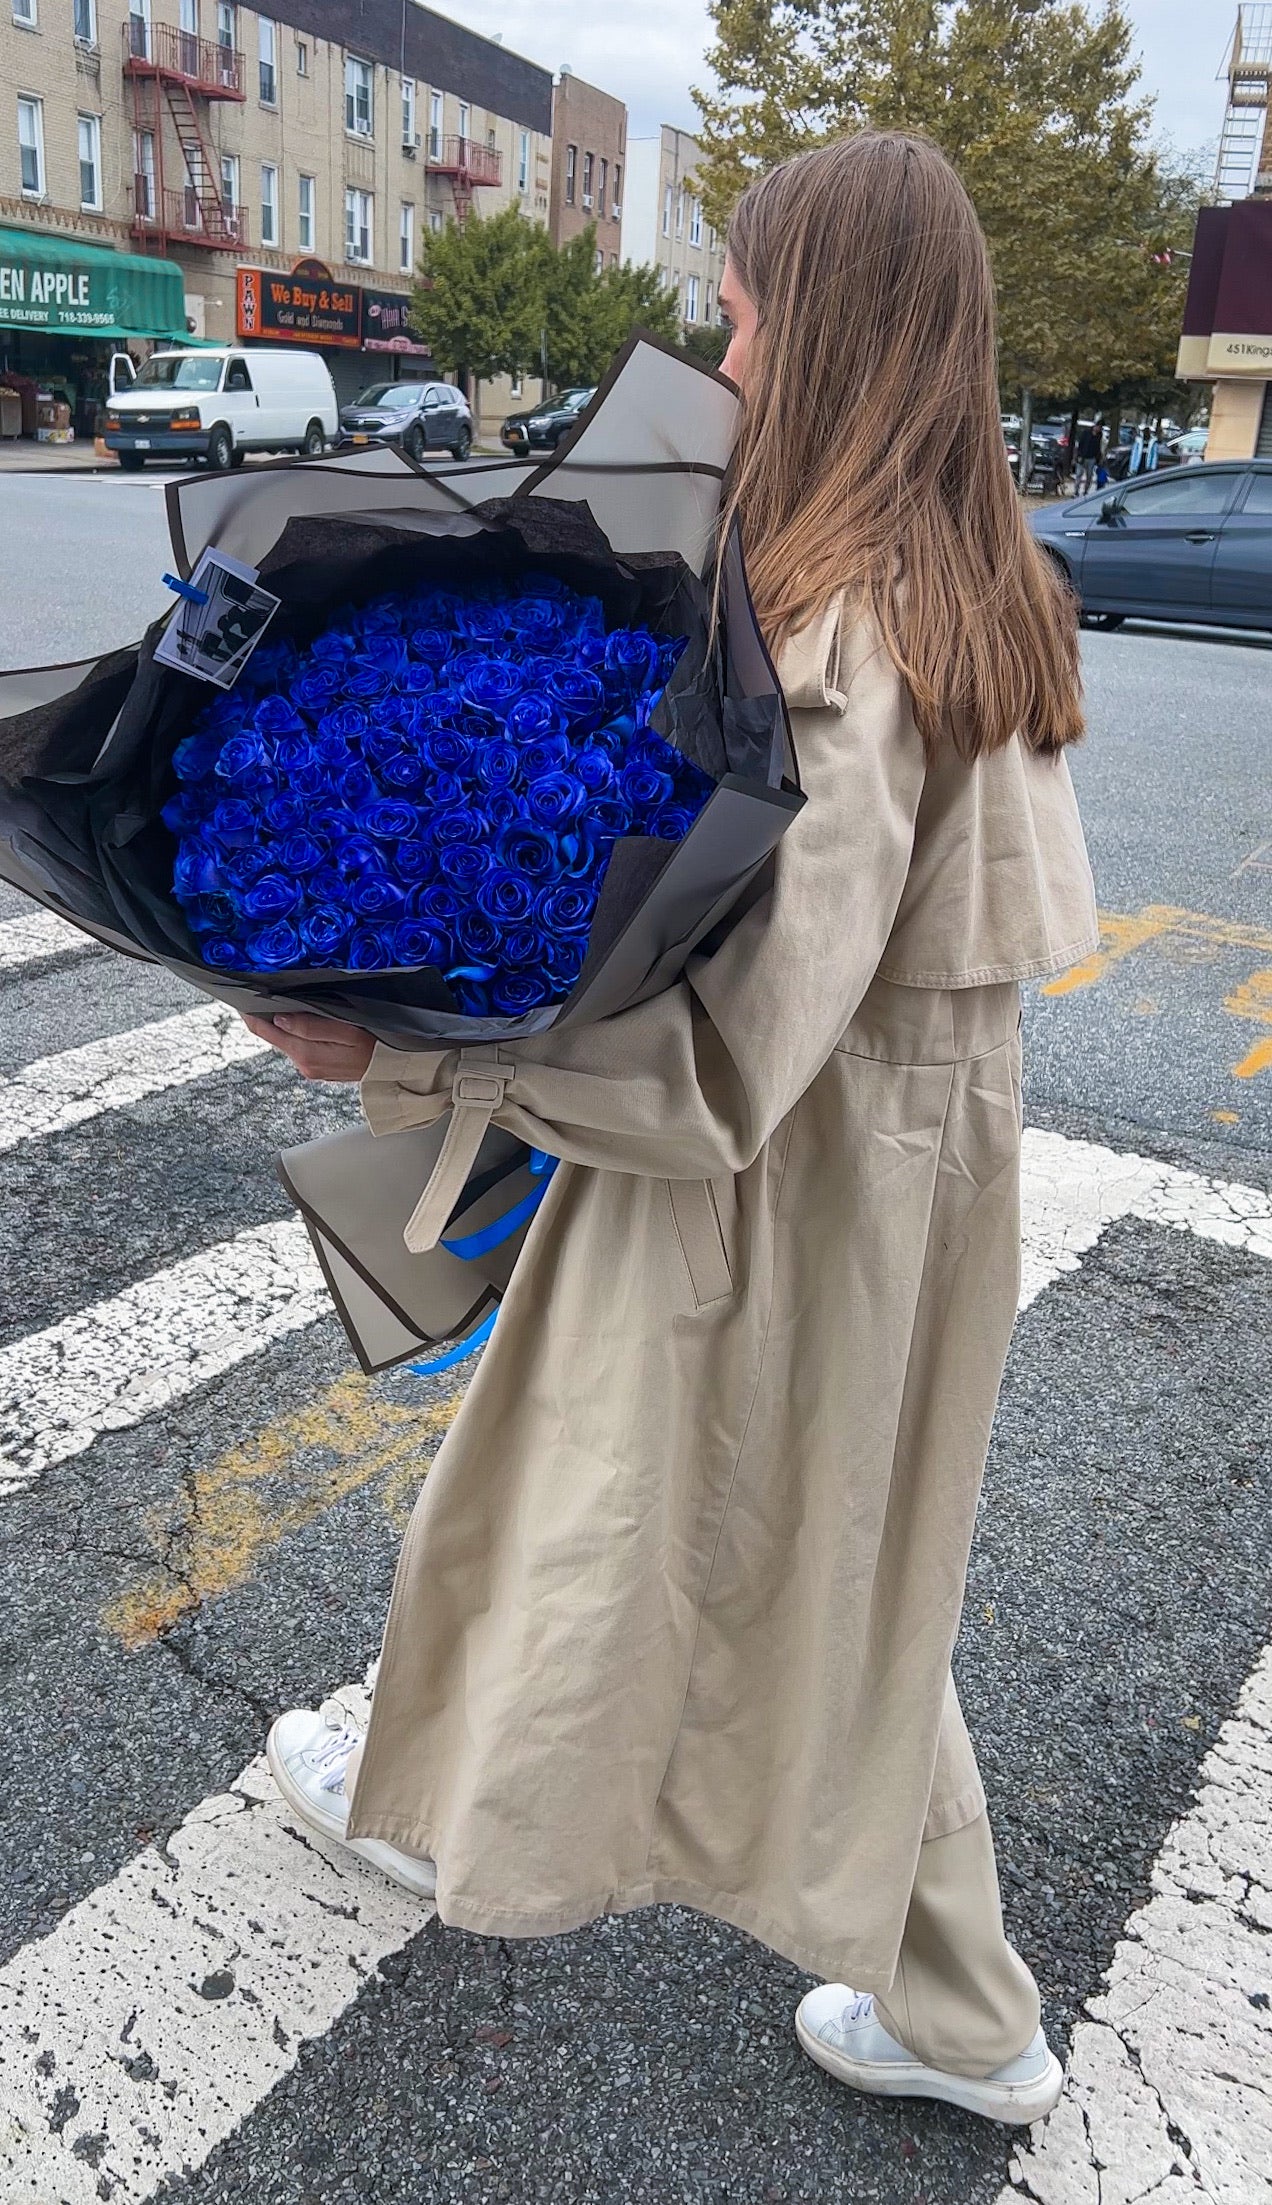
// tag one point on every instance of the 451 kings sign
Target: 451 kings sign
(309, 307)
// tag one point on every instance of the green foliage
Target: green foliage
(496, 298)
(1034, 102)
(708, 342)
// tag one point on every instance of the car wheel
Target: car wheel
(237, 457)
(463, 444)
(413, 444)
(220, 451)
(131, 462)
(1109, 622)
(315, 443)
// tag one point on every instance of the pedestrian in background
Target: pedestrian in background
(1090, 451)
(675, 1610)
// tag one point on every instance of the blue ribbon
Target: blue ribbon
(459, 1352)
(469, 1245)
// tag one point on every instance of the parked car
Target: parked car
(220, 403)
(1190, 448)
(1194, 543)
(421, 417)
(542, 430)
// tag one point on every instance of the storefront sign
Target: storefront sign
(83, 290)
(1228, 311)
(304, 308)
(385, 326)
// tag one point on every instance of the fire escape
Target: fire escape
(171, 70)
(469, 167)
(1245, 145)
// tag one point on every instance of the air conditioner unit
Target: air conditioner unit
(411, 146)
(587, 198)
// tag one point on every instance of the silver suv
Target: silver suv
(421, 417)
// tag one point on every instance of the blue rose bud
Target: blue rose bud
(496, 764)
(242, 758)
(515, 993)
(534, 717)
(358, 854)
(439, 905)
(414, 862)
(567, 908)
(275, 716)
(479, 937)
(495, 685)
(195, 758)
(324, 933)
(371, 949)
(314, 690)
(591, 765)
(184, 812)
(417, 943)
(224, 955)
(524, 945)
(405, 770)
(546, 754)
(632, 653)
(343, 725)
(302, 853)
(580, 694)
(456, 823)
(505, 896)
(465, 865)
(375, 897)
(673, 822)
(528, 850)
(285, 814)
(558, 797)
(389, 819)
(645, 789)
(273, 896)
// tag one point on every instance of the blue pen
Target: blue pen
(187, 590)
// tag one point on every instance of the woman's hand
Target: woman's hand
(320, 1048)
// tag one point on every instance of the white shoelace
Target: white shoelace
(331, 1754)
(857, 2009)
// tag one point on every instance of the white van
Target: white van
(219, 403)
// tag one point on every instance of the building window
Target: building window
(666, 226)
(691, 299)
(408, 113)
(269, 61)
(588, 166)
(695, 222)
(302, 58)
(229, 185)
(523, 161)
(31, 147)
(435, 126)
(226, 26)
(90, 161)
(711, 238)
(359, 216)
(602, 189)
(406, 238)
(571, 167)
(618, 189)
(680, 212)
(359, 102)
(188, 36)
(85, 22)
(269, 204)
(24, 13)
(144, 174)
(138, 28)
(436, 221)
(465, 119)
(305, 213)
(710, 313)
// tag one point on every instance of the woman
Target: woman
(674, 1614)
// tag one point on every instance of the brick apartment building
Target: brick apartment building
(589, 161)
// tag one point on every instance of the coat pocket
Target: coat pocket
(695, 1214)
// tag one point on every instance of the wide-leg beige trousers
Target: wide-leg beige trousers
(961, 1999)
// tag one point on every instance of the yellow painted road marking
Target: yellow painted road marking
(1197, 937)
(212, 1534)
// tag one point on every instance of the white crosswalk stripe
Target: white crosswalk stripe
(60, 1091)
(171, 2001)
(35, 939)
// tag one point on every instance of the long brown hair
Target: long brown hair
(870, 456)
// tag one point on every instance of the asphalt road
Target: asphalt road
(179, 1568)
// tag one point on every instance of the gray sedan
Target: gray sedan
(1194, 544)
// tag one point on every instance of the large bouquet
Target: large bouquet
(493, 766)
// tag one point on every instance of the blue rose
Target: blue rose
(524, 945)
(567, 963)
(610, 815)
(494, 685)
(242, 867)
(195, 758)
(302, 853)
(274, 665)
(537, 621)
(368, 682)
(673, 822)
(273, 896)
(438, 905)
(292, 751)
(324, 933)
(358, 854)
(417, 943)
(374, 896)
(496, 764)
(644, 788)
(480, 937)
(528, 850)
(184, 812)
(389, 819)
(371, 949)
(233, 822)
(593, 768)
(546, 754)
(465, 865)
(275, 716)
(334, 648)
(355, 785)
(314, 690)
(224, 955)
(505, 896)
(444, 792)
(285, 812)
(199, 870)
(243, 758)
(404, 770)
(456, 823)
(557, 798)
(382, 617)
(632, 654)
(344, 724)
(414, 862)
(580, 695)
(515, 993)
(274, 948)
(447, 749)
(535, 716)
(431, 646)
(211, 915)
(567, 908)
(327, 885)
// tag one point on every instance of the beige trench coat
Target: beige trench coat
(674, 1612)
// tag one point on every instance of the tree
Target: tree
(1033, 101)
(588, 313)
(478, 304)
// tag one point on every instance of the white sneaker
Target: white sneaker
(308, 1754)
(838, 2028)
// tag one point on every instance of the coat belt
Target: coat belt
(477, 1091)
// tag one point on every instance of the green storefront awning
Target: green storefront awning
(61, 285)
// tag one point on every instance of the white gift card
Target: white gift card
(220, 617)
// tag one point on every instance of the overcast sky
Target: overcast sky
(648, 52)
